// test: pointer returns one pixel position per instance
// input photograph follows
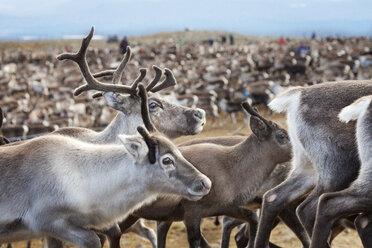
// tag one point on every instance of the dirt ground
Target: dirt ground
(281, 235)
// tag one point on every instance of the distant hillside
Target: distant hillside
(192, 35)
(187, 36)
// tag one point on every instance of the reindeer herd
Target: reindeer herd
(75, 185)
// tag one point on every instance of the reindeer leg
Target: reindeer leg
(249, 216)
(113, 233)
(336, 230)
(233, 118)
(363, 224)
(228, 225)
(50, 242)
(333, 206)
(63, 230)
(276, 199)
(216, 221)
(289, 217)
(113, 236)
(223, 123)
(162, 228)
(143, 231)
(192, 221)
(242, 236)
(307, 210)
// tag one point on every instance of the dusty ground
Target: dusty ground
(281, 235)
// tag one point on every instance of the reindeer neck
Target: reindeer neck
(250, 158)
(121, 124)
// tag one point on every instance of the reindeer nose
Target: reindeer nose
(206, 184)
(203, 185)
(199, 114)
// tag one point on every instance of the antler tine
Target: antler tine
(139, 79)
(134, 85)
(156, 79)
(103, 73)
(97, 95)
(118, 72)
(150, 143)
(169, 81)
(92, 83)
(251, 111)
(145, 108)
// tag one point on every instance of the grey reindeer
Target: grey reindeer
(228, 168)
(49, 184)
(325, 154)
(356, 199)
(172, 120)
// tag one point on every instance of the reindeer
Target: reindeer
(170, 119)
(278, 175)
(3, 140)
(52, 164)
(325, 155)
(268, 146)
(356, 198)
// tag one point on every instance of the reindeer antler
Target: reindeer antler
(169, 81)
(92, 83)
(251, 111)
(148, 124)
(118, 72)
(151, 144)
(156, 79)
(145, 108)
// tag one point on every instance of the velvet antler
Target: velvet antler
(252, 112)
(145, 108)
(151, 144)
(169, 81)
(91, 82)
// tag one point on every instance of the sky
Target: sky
(51, 19)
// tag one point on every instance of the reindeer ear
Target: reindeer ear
(115, 100)
(259, 128)
(111, 98)
(134, 144)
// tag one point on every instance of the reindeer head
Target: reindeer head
(270, 135)
(171, 119)
(173, 173)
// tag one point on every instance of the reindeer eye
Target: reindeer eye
(281, 136)
(168, 161)
(153, 105)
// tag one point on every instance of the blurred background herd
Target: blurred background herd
(214, 70)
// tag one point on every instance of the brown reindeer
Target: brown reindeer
(268, 146)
